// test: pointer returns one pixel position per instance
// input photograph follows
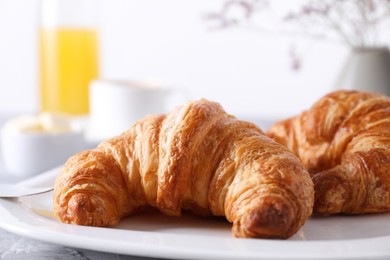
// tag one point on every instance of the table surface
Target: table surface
(17, 247)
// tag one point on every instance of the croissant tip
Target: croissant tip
(83, 211)
(267, 221)
(78, 208)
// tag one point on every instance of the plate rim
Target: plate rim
(320, 249)
(14, 219)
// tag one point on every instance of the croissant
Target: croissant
(196, 158)
(344, 142)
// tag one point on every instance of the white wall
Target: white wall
(168, 41)
(18, 55)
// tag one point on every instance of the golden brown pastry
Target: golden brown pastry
(196, 158)
(344, 141)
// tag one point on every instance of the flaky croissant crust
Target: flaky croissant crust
(344, 141)
(196, 158)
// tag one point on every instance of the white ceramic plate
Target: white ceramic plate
(191, 237)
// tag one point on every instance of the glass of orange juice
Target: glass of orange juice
(69, 55)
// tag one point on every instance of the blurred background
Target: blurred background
(252, 66)
(252, 71)
(263, 60)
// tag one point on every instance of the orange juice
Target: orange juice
(68, 62)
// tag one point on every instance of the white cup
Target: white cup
(31, 144)
(26, 154)
(116, 105)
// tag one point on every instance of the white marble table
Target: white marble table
(17, 247)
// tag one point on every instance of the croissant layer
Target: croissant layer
(197, 158)
(344, 142)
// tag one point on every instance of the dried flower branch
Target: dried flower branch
(354, 23)
(235, 12)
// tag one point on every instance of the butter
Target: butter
(42, 123)
(55, 122)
